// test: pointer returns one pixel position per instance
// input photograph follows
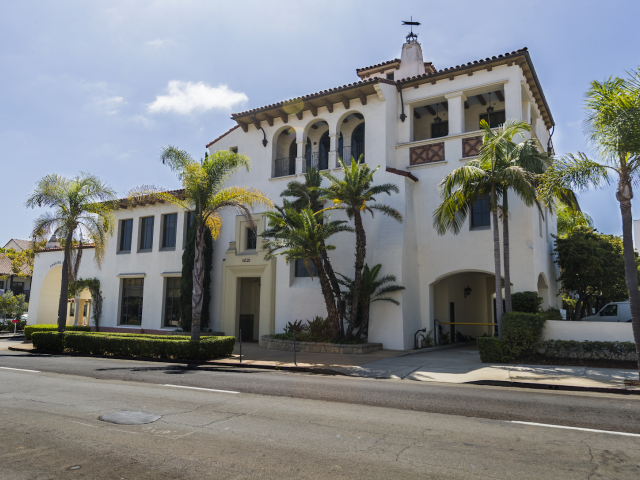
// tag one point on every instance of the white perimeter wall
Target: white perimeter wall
(593, 331)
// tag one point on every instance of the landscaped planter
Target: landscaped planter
(266, 341)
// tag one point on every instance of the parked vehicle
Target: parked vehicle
(612, 312)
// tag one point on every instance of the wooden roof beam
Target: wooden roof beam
(328, 104)
(430, 110)
(243, 126)
(269, 119)
(345, 101)
(416, 114)
(445, 105)
(299, 115)
(362, 96)
(482, 100)
(466, 105)
(499, 95)
(312, 107)
(283, 116)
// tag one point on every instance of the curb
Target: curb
(548, 386)
(208, 363)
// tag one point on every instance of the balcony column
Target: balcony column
(512, 101)
(333, 150)
(300, 141)
(456, 112)
(77, 312)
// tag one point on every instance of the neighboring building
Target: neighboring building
(418, 123)
(18, 284)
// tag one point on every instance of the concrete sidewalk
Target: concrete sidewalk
(463, 365)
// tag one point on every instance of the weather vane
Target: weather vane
(411, 35)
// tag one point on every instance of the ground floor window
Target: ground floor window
(172, 302)
(131, 310)
(303, 271)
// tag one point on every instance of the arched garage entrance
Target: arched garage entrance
(462, 298)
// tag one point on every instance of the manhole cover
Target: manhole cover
(130, 418)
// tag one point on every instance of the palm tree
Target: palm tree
(372, 289)
(205, 197)
(308, 195)
(302, 235)
(354, 194)
(81, 205)
(613, 128)
(499, 144)
(491, 175)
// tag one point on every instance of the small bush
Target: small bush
(492, 350)
(527, 302)
(50, 341)
(30, 329)
(521, 332)
(589, 350)
(427, 339)
(296, 326)
(319, 328)
(553, 313)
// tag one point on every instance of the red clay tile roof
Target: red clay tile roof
(378, 65)
(368, 81)
(223, 135)
(402, 173)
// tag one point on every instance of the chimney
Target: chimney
(411, 63)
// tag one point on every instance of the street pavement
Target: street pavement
(50, 429)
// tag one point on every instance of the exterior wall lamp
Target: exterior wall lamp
(467, 292)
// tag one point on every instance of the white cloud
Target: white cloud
(110, 104)
(188, 97)
(158, 42)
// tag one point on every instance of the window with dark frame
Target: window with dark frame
(439, 129)
(301, 270)
(131, 308)
(85, 309)
(146, 233)
(169, 229)
(252, 239)
(1, 284)
(494, 119)
(390, 76)
(126, 230)
(72, 309)
(172, 302)
(480, 214)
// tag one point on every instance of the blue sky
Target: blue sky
(103, 86)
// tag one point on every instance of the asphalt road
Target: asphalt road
(620, 413)
(50, 429)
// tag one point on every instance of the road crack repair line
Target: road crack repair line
(20, 369)
(199, 388)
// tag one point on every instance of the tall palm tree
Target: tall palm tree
(490, 175)
(308, 195)
(302, 235)
(612, 126)
(500, 144)
(354, 194)
(372, 289)
(205, 196)
(81, 205)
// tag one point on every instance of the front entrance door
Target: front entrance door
(246, 328)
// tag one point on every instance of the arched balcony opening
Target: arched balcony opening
(318, 146)
(286, 151)
(351, 145)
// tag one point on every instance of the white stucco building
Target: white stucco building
(415, 121)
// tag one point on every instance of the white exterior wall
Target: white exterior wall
(420, 259)
(591, 331)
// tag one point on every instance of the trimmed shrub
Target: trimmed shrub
(154, 346)
(30, 329)
(589, 350)
(492, 350)
(51, 341)
(527, 302)
(553, 313)
(521, 333)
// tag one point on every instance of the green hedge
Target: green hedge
(589, 350)
(154, 346)
(521, 332)
(491, 349)
(29, 329)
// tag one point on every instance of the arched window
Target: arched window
(325, 146)
(357, 142)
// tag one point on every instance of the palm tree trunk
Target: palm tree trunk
(505, 247)
(365, 320)
(630, 270)
(198, 280)
(329, 299)
(496, 259)
(64, 284)
(334, 285)
(361, 253)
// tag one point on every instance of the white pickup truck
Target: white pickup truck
(612, 312)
